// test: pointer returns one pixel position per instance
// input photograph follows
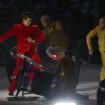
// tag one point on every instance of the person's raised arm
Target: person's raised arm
(8, 34)
(89, 37)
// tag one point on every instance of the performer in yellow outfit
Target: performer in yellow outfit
(99, 31)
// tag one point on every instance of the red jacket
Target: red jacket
(22, 32)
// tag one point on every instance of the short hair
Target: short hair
(26, 15)
(46, 18)
(103, 18)
(101, 15)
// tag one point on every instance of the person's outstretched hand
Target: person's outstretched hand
(29, 39)
(91, 51)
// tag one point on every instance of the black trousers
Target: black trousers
(101, 93)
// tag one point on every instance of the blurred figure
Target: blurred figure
(28, 37)
(99, 31)
(66, 74)
(55, 38)
(54, 32)
(67, 77)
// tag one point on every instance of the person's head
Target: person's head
(102, 22)
(45, 20)
(26, 18)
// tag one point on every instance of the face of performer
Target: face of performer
(27, 22)
(102, 23)
(45, 21)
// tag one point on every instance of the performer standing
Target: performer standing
(55, 38)
(99, 31)
(28, 37)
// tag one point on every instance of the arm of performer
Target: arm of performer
(89, 37)
(37, 36)
(8, 34)
(29, 39)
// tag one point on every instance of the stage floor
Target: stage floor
(88, 84)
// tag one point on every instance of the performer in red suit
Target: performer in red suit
(28, 37)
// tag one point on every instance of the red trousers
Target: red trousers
(34, 56)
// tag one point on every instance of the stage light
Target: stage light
(22, 55)
(54, 56)
(65, 103)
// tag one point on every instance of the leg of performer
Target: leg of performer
(14, 76)
(37, 59)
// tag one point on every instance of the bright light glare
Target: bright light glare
(54, 55)
(22, 55)
(66, 103)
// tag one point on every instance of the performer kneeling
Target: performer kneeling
(68, 77)
(66, 74)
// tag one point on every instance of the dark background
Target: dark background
(77, 16)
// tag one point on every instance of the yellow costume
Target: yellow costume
(100, 33)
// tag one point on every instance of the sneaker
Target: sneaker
(10, 94)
